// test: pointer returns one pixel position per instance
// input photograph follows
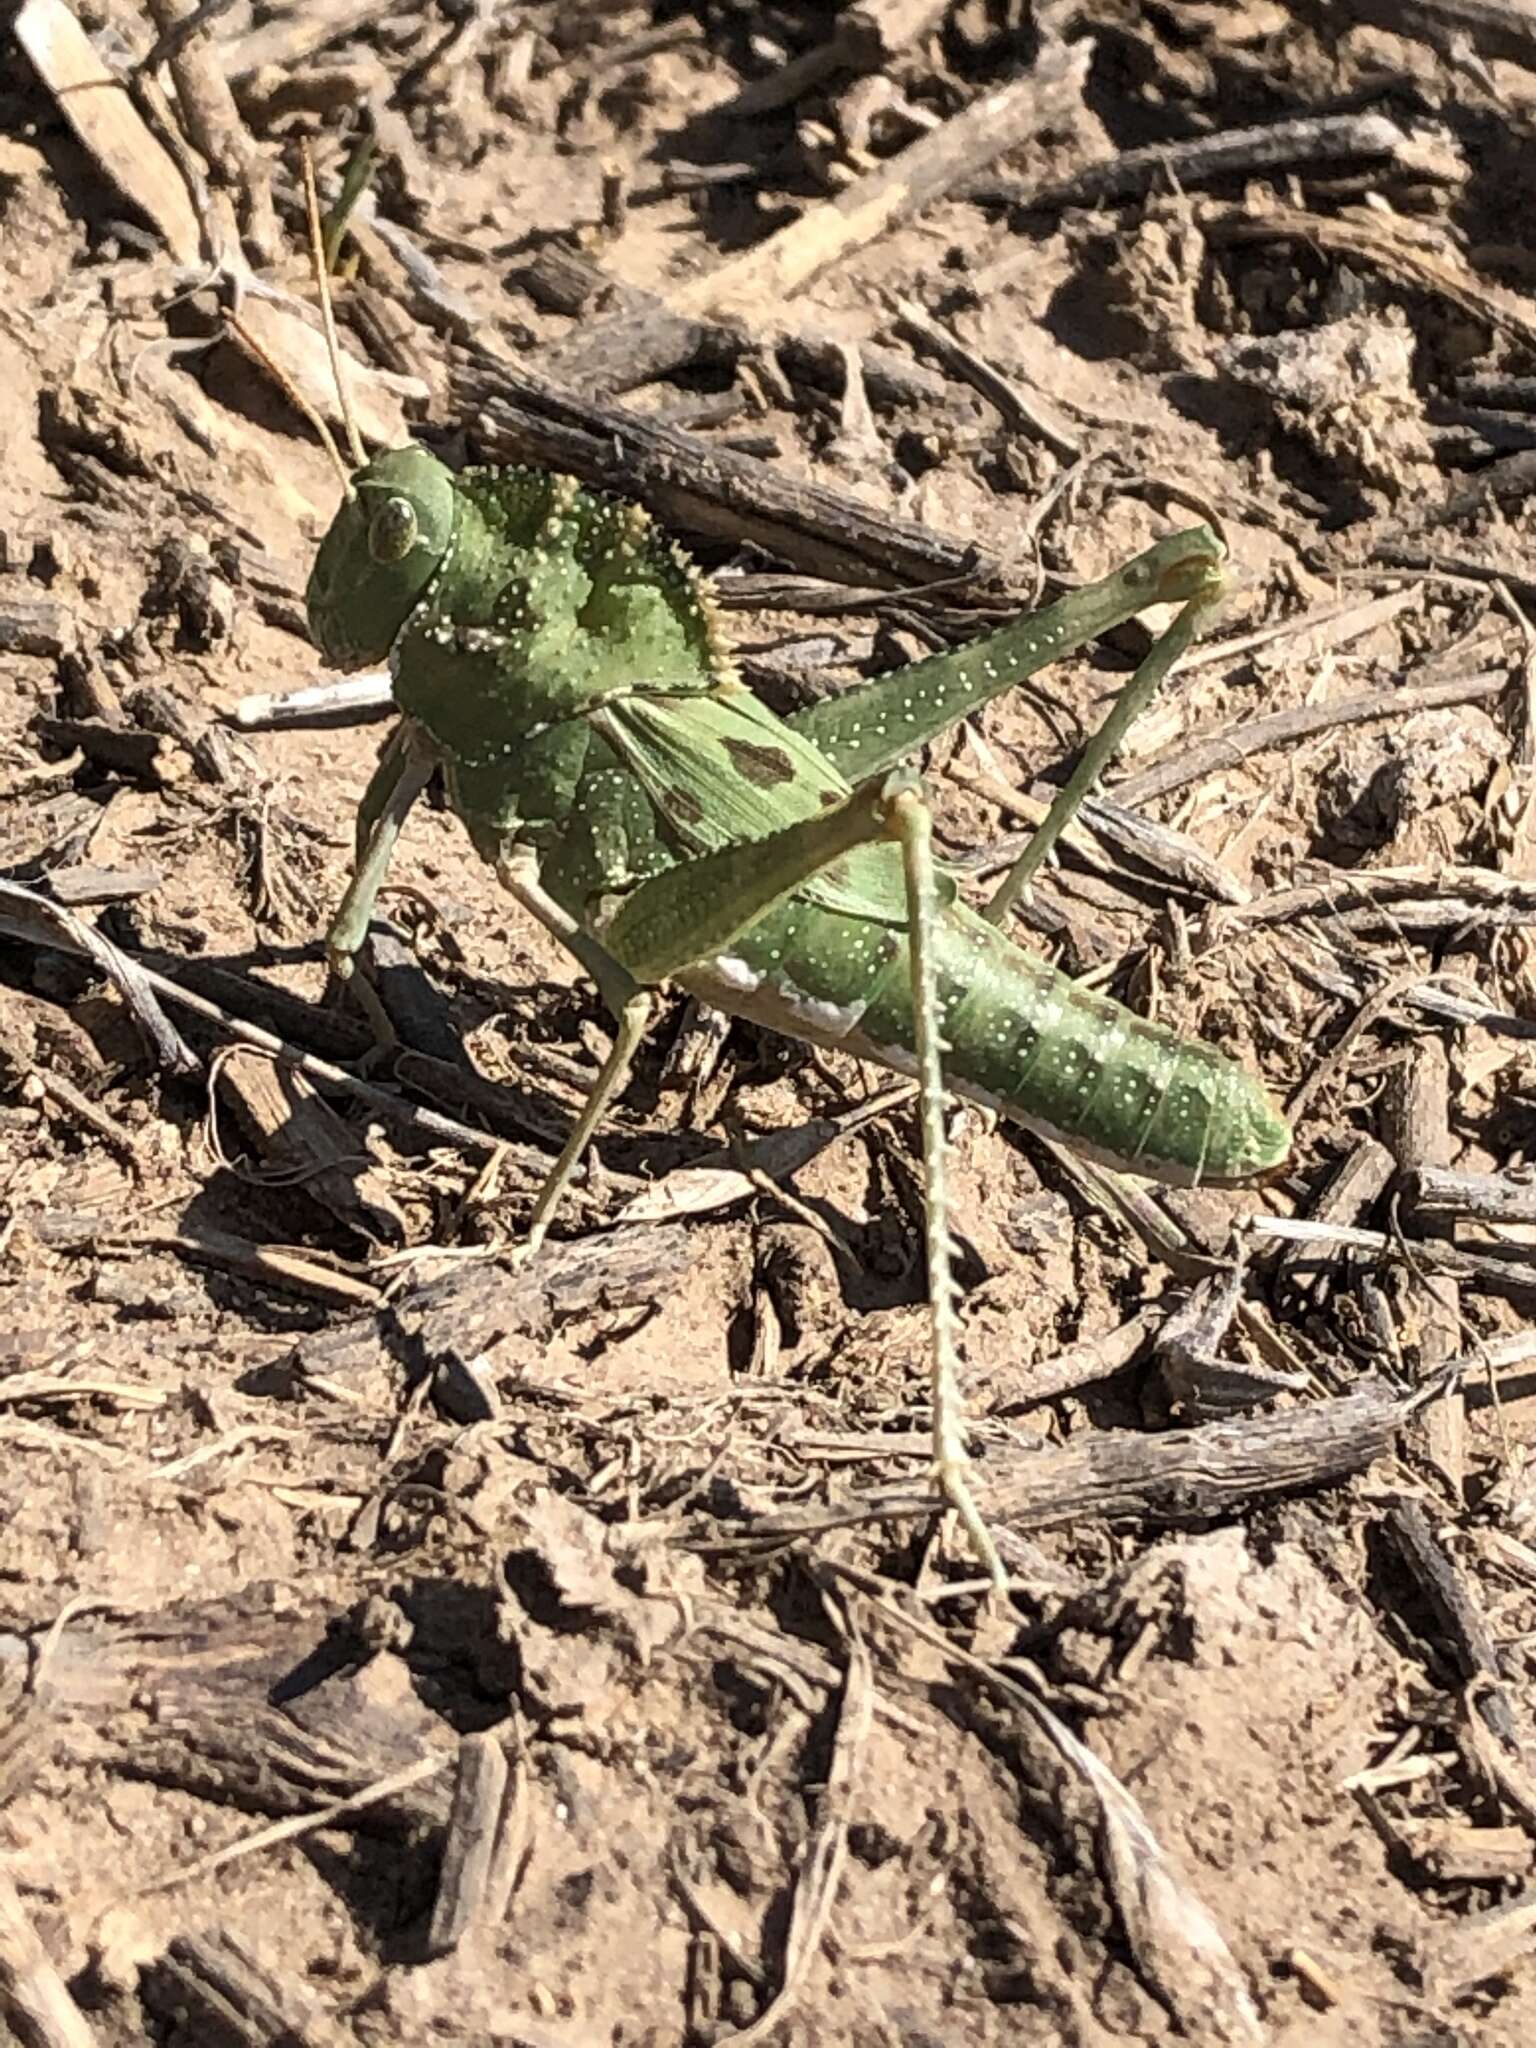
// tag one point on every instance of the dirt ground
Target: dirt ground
(398, 1644)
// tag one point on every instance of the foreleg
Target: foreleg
(405, 768)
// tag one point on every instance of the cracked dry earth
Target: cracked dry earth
(397, 1646)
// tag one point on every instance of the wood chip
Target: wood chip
(471, 1844)
(304, 1142)
(33, 1996)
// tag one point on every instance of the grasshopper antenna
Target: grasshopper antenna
(327, 311)
(286, 384)
(295, 397)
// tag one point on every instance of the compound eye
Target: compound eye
(393, 530)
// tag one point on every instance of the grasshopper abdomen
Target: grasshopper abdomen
(1021, 1037)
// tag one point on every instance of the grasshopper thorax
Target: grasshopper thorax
(384, 547)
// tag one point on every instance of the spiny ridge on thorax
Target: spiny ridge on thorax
(613, 541)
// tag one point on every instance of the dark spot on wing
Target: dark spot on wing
(765, 767)
(684, 804)
(827, 798)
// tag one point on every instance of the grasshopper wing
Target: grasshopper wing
(721, 768)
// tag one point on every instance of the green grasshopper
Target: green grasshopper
(562, 663)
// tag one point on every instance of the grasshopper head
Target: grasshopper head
(384, 546)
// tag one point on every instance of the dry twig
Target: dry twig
(756, 284)
(1231, 153)
(33, 1996)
